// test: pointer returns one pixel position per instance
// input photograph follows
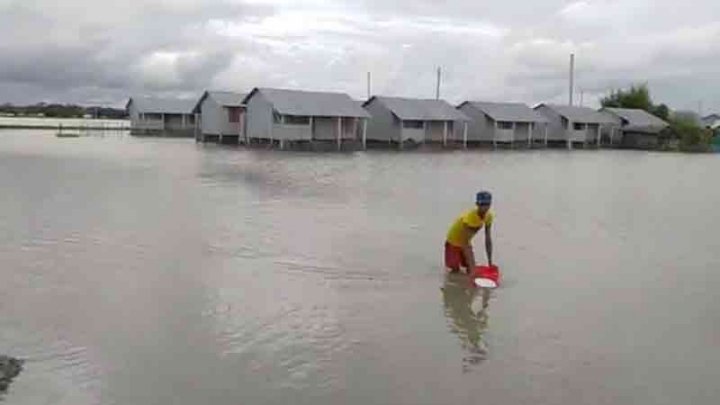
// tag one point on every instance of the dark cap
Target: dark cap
(483, 198)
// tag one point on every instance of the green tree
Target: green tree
(638, 96)
(692, 136)
(661, 111)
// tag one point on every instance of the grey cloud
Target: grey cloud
(511, 12)
(63, 54)
(505, 50)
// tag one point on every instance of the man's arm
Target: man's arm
(468, 250)
(469, 258)
(488, 243)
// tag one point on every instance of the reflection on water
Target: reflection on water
(468, 322)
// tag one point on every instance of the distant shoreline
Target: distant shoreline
(74, 127)
(63, 123)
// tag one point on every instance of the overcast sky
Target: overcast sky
(97, 51)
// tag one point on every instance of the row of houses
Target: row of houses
(289, 117)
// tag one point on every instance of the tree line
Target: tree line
(62, 111)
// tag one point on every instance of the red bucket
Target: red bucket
(486, 276)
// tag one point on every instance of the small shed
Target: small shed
(219, 115)
(399, 120)
(503, 122)
(636, 128)
(281, 116)
(573, 124)
(161, 115)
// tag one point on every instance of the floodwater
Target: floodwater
(158, 271)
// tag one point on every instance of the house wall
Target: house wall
(175, 122)
(593, 132)
(588, 134)
(382, 124)
(325, 128)
(210, 117)
(434, 131)
(504, 135)
(555, 127)
(133, 113)
(578, 135)
(458, 127)
(351, 128)
(482, 128)
(522, 131)
(611, 132)
(139, 121)
(451, 130)
(292, 132)
(153, 122)
(537, 131)
(639, 140)
(258, 115)
(234, 128)
(215, 119)
(479, 127)
(415, 134)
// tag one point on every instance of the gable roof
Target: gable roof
(712, 121)
(637, 119)
(512, 112)
(420, 109)
(223, 98)
(310, 103)
(162, 105)
(578, 114)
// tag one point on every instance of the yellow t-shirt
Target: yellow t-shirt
(471, 219)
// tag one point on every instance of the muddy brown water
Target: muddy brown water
(158, 271)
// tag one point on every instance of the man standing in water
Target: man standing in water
(458, 249)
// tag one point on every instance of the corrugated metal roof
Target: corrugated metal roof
(228, 98)
(512, 112)
(420, 109)
(636, 118)
(223, 98)
(580, 114)
(712, 121)
(310, 103)
(163, 105)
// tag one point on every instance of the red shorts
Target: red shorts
(454, 257)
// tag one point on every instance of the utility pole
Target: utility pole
(368, 86)
(437, 89)
(572, 78)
